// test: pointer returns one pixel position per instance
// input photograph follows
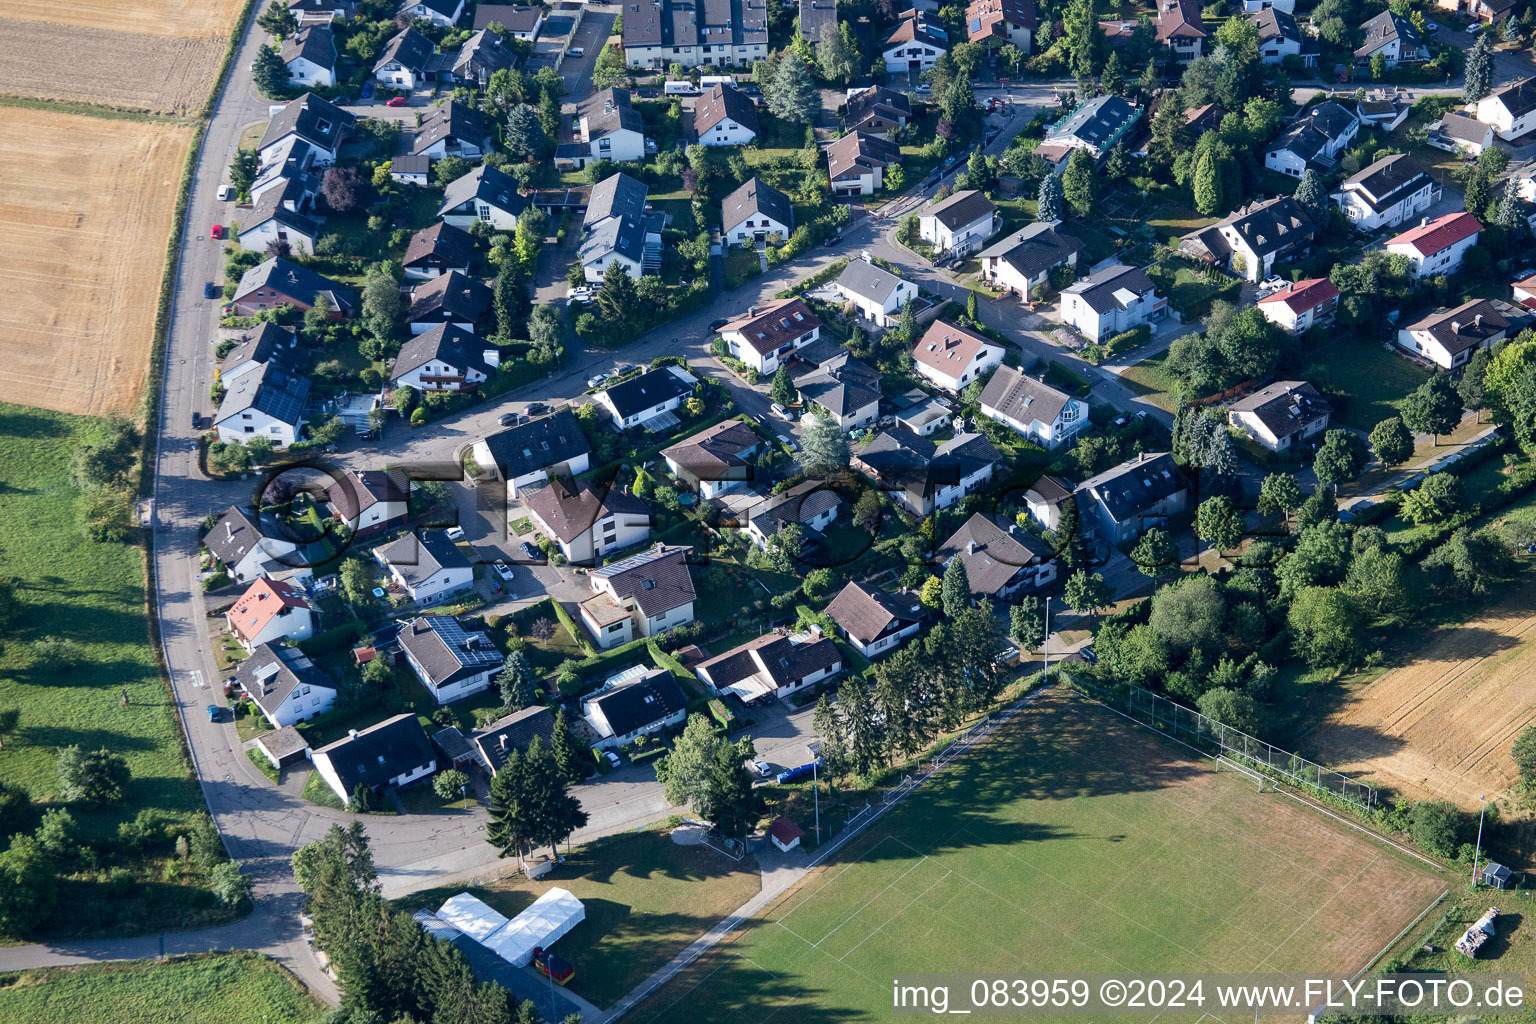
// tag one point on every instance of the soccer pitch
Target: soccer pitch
(1072, 841)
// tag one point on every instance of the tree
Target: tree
(1524, 753)
(1207, 184)
(1392, 442)
(278, 21)
(381, 303)
(450, 784)
(1155, 553)
(782, 390)
(229, 884)
(1077, 182)
(684, 773)
(794, 98)
(356, 580)
(1472, 387)
(95, 778)
(1434, 408)
(833, 60)
(824, 450)
(1467, 563)
(955, 591)
(243, 170)
(1339, 459)
(345, 189)
(57, 832)
(1026, 621)
(563, 746)
(1378, 580)
(10, 720)
(28, 886)
(512, 306)
(1378, 66)
(1051, 204)
(1436, 824)
(932, 593)
(616, 298)
(1433, 500)
(1510, 215)
(731, 805)
(1087, 593)
(524, 137)
(518, 682)
(1229, 707)
(1323, 626)
(545, 813)
(609, 70)
(1279, 492)
(1112, 78)
(269, 73)
(1218, 523)
(1479, 70)
(867, 512)
(1312, 196)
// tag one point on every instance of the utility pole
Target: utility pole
(1047, 639)
(1478, 850)
(816, 795)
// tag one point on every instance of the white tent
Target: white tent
(550, 917)
(471, 916)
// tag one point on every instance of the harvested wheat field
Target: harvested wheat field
(1442, 725)
(86, 206)
(160, 74)
(151, 17)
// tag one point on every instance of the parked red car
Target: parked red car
(216, 232)
(395, 101)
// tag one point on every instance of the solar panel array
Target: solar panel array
(470, 648)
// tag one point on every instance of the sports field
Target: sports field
(1074, 841)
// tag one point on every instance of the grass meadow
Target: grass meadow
(1075, 841)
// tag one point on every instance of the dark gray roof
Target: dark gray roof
(615, 220)
(1465, 327)
(571, 508)
(756, 197)
(716, 452)
(1519, 99)
(271, 207)
(720, 102)
(696, 22)
(649, 389)
(497, 740)
(964, 207)
(269, 388)
(463, 298)
(815, 17)
(992, 555)
(1274, 23)
(1020, 397)
(1130, 488)
(443, 7)
(1095, 122)
(272, 672)
(267, 342)
(447, 343)
(396, 746)
(610, 111)
(868, 613)
(877, 101)
(865, 279)
(420, 557)
(453, 246)
(318, 122)
(409, 48)
(512, 17)
(642, 703)
(1387, 180)
(1463, 128)
(1284, 406)
(1269, 226)
(1383, 29)
(361, 489)
(293, 281)
(233, 536)
(856, 153)
(538, 444)
(842, 389)
(1048, 489)
(409, 163)
(902, 460)
(446, 650)
(1034, 249)
(658, 580)
(452, 120)
(800, 504)
(484, 52)
(315, 44)
(1327, 122)
(487, 184)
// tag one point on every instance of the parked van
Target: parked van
(710, 81)
(681, 89)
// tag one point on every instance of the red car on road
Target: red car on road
(395, 101)
(216, 232)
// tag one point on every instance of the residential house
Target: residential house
(588, 521)
(817, 18)
(246, 550)
(811, 505)
(1000, 561)
(321, 12)
(1119, 503)
(1250, 6)
(451, 661)
(482, 55)
(642, 595)
(270, 611)
(428, 566)
(1111, 301)
(1317, 137)
(619, 229)
(842, 390)
(446, 358)
(1044, 500)
(913, 44)
(647, 401)
(410, 169)
(1489, 12)
(516, 20)
(771, 667)
(438, 249)
(1095, 125)
(715, 460)
(1300, 306)
(1253, 239)
(267, 402)
(952, 356)
(1181, 29)
(856, 163)
(1024, 259)
(278, 282)
(997, 23)
(1388, 192)
(920, 476)
(872, 620)
(1525, 291)
(445, 13)
(407, 62)
(370, 501)
(268, 342)
(493, 744)
(1460, 134)
(279, 215)
(1436, 246)
(767, 335)
(453, 129)
(1382, 110)
(694, 32)
(609, 128)
(1511, 110)
(1394, 37)
(1044, 415)
(1281, 37)
(320, 124)
(450, 299)
(755, 212)
(622, 714)
(1448, 337)
(960, 224)
(724, 116)
(292, 170)
(285, 685)
(1282, 415)
(396, 752)
(876, 110)
(310, 56)
(529, 454)
(876, 294)
(484, 194)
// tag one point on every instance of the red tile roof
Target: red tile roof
(785, 831)
(264, 601)
(1304, 295)
(948, 348)
(1439, 233)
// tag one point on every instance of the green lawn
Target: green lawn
(1176, 219)
(1072, 841)
(219, 988)
(1375, 380)
(316, 791)
(645, 896)
(1149, 380)
(1189, 291)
